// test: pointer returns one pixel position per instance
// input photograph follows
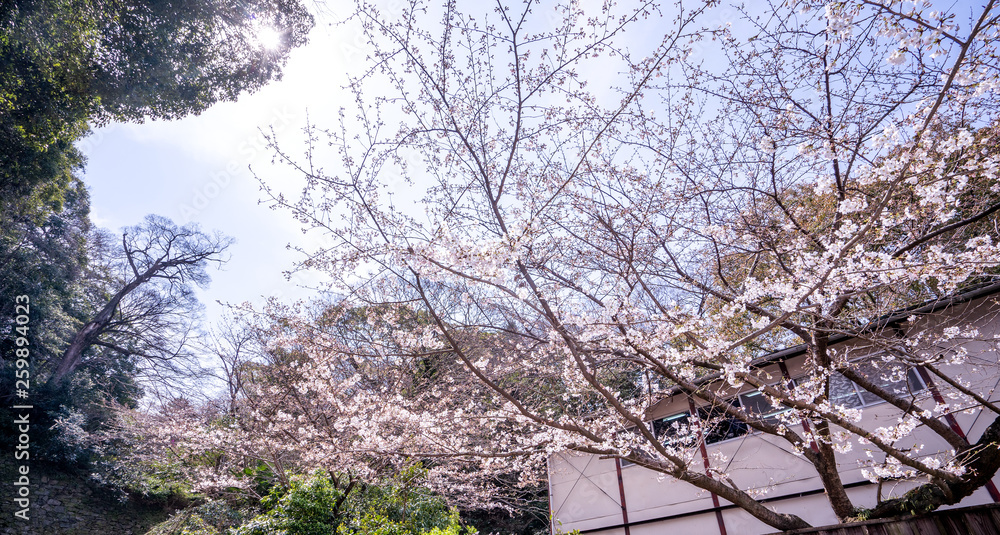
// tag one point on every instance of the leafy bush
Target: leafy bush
(314, 505)
(155, 483)
(70, 443)
(308, 507)
(212, 518)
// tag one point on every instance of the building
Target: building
(607, 496)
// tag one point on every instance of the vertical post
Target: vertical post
(548, 481)
(621, 492)
(953, 423)
(704, 456)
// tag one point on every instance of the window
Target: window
(845, 392)
(756, 403)
(672, 429)
(719, 426)
(716, 426)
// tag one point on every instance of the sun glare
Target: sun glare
(269, 38)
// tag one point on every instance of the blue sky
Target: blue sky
(197, 170)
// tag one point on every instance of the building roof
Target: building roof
(895, 318)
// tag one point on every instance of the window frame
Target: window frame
(912, 374)
(913, 381)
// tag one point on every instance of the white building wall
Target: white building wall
(585, 494)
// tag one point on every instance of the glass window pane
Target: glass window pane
(669, 426)
(842, 391)
(893, 377)
(674, 430)
(913, 379)
(757, 403)
(718, 426)
(869, 398)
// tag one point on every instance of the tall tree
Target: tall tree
(149, 308)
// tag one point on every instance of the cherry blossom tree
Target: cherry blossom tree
(551, 223)
(335, 388)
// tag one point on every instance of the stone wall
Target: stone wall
(69, 504)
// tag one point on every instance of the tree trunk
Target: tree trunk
(827, 468)
(782, 521)
(983, 461)
(71, 357)
(88, 334)
(829, 474)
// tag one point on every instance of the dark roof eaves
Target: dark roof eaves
(930, 307)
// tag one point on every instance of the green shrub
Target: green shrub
(212, 518)
(313, 505)
(308, 507)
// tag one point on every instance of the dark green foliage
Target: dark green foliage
(529, 514)
(43, 238)
(45, 98)
(129, 60)
(44, 248)
(310, 507)
(64, 63)
(521, 522)
(317, 505)
(167, 59)
(212, 518)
